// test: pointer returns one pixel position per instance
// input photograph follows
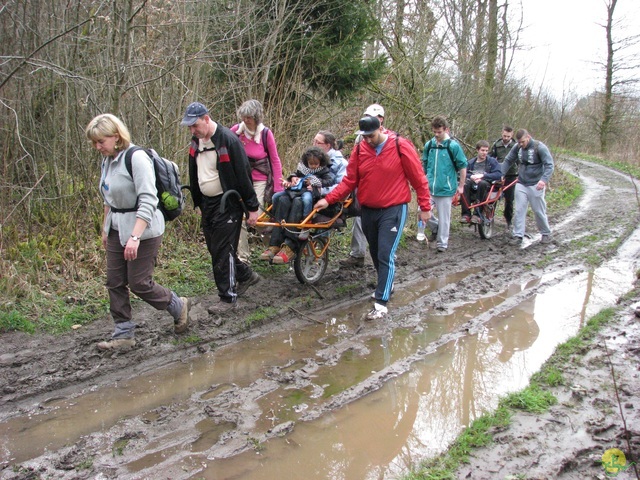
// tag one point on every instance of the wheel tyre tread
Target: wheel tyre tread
(303, 255)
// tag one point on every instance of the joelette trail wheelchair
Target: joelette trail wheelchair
(312, 254)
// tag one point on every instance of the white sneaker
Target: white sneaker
(393, 287)
(379, 311)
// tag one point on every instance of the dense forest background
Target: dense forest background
(315, 64)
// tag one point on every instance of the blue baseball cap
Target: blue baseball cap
(193, 113)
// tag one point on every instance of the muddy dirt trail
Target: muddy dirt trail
(314, 391)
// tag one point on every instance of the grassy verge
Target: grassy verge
(51, 283)
(535, 398)
(632, 170)
(564, 190)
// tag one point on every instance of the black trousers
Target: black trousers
(222, 233)
(509, 196)
(474, 195)
(383, 229)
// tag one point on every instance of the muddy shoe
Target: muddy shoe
(476, 219)
(244, 286)
(183, 322)
(465, 219)
(221, 307)
(284, 256)
(351, 261)
(269, 253)
(515, 241)
(546, 239)
(117, 344)
(378, 312)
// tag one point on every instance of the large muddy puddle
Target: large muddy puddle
(339, 400)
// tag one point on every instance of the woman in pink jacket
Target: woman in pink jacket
(262, 151)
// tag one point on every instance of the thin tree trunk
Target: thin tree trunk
(492, 59)
(607, 113)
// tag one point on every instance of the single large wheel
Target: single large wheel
(312, 260)
(485, 228)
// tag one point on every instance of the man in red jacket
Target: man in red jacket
(382, 167)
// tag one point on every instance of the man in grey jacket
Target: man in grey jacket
(535, 167)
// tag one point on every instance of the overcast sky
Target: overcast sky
(564, 38)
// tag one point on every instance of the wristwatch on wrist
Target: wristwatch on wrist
(135, 238)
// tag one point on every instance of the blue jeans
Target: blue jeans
(307, 203)
(275, 198)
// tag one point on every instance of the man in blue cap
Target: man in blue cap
(218, 163)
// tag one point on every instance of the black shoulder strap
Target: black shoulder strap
(449, 151)
(265, 130)
(127, 163)
(127, 159)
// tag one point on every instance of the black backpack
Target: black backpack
(170, 197)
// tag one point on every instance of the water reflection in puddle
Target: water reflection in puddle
(411, 416)
(418, 414)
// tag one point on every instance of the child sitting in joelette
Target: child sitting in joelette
(302, 190)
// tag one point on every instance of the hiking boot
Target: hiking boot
(379, 311)
(117, 344)
(284, 256)
(465, 219)
(351, 261)
(221, 307)
(269, 253)
(546, 239)
(181, 325)
(242, 287)
(476, 219)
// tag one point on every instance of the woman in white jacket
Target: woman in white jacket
(132, 231)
